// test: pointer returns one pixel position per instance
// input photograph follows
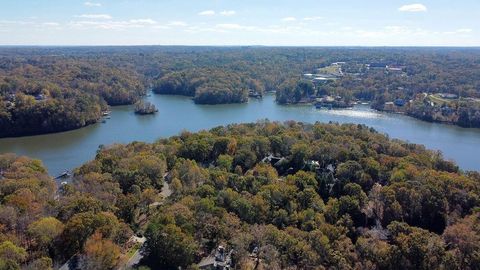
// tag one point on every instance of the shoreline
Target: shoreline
(101, 119)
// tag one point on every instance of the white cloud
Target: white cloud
(230, 26)
(92, 4)
(116, 25)
(317, 18)
(464, 30)
(207, 13)
(413, 8)
(228, 13)
(177, 23)
(395, 29)
(459, 31)
(289, 19)
(52, 24)
(143, 21)
(161, 27)
(198, 29)
(16, 22)
(95, 16)
(274, 29)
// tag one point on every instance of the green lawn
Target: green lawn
(133, 249)
(329, 70)
(438, 100)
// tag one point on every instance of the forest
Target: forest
(209, 86)
(51, 89)
(273, 195)
(44, 94)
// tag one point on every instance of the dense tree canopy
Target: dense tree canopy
(305, 196)
(209, 86)
(54, 89)
(42, 94)
(341, 196)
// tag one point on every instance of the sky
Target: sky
(241, 22)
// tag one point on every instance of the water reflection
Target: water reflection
(68, 150)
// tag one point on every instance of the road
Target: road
(137, 256)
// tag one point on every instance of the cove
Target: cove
(68, 150)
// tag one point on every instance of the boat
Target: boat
(64, 174)
(324, 105)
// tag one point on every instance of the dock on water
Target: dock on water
(64, 174)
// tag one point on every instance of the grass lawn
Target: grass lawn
(329, 70)
(133, 249)
(438, 100)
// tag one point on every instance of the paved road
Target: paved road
(137, 256)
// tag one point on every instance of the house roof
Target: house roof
(210, 260)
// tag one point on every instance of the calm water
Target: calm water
(68, 150)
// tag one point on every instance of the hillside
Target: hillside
(281, 196)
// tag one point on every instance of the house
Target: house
(400, 102)
(389, 106)
(274, 161)
(40, 97)
(11, 97)
(377, 65)
(219, 260)
(395, 69)
(446, 110)
(312, 165)
(327, 99)
(321, 80)
(254, 94)
(9, 104)
(448, 96)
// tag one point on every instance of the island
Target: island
(263, 195)
(145, 107)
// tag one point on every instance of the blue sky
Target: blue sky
(241, 22)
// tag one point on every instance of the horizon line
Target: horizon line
(239, 45)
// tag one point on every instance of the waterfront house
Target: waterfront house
(400, 102)
(448, 96)
(389, 106)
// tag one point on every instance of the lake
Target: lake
(67, 150)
